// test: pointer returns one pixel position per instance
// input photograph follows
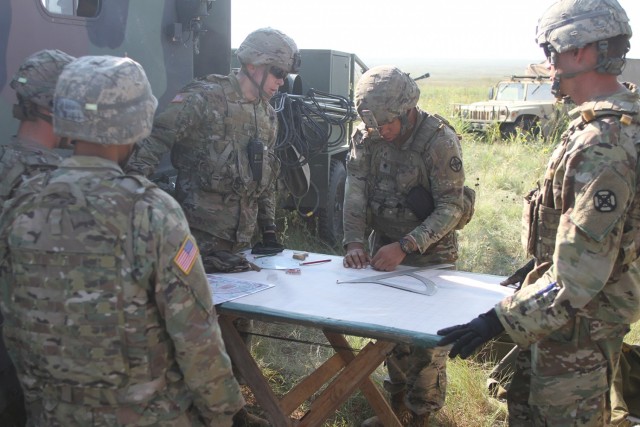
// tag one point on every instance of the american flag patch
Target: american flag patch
(187, 255)
(178, 99)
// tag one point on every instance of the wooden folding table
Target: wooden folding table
(387, 315)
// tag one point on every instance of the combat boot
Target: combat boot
(244, 419)
(420, 420)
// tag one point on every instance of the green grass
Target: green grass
(501, 172)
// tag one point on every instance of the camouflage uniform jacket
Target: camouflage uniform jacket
(588, 213)
(22, 159)
(107, 305)
(380, 174)
(208, 126)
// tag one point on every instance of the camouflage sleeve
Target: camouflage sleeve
(598, 188)
(176, 122)
(447, 182)
(267, 202)
(355, 192)
(184, 301)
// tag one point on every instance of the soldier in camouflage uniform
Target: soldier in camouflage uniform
(28, 153)
(402, 156)
(582, 227)
(109, 317)
(221, 131)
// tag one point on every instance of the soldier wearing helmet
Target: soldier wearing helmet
(582, 227)
(405, 181)
(28, 153)
(221, 131)
(31, 150)
(109, 317)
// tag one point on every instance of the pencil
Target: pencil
(315, 262)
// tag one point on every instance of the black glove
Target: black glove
(518, 277)
(269, 244)
(468, 337)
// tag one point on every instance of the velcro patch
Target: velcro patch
(187, 255)
(179, 98)
(601, 204)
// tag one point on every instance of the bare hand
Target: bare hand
(388, 257)
(356, 256)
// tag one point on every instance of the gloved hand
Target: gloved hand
(269, 244)
(468, 337)
(518, 277)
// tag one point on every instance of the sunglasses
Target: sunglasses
(278, 73)
(549, 52)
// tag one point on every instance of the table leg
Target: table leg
(355, 375)
(241, 357)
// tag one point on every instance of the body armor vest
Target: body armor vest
(89, 329)
(18, 162)
(221, 164)
(394, 173)
(541, 218)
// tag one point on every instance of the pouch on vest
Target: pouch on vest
(468, 208)
(420, 202)
(256, 157)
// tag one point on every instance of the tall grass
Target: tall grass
(501, 172)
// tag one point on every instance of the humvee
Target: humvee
(175, 41)
(519, 103)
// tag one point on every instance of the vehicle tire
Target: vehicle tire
(330, 215)
(527, 125)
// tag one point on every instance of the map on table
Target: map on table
(227, 288)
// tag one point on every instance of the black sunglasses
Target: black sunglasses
(278, 73)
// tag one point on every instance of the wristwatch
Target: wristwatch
(406, 245)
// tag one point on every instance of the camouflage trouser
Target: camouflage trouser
(564, 379)
(208, 243)
(421, 374)
(12, 411)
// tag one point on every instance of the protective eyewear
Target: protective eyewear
(278, 73)
(549, 53)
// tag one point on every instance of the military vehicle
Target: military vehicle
(176, 40)
(520, 103)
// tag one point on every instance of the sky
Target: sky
(381, 31)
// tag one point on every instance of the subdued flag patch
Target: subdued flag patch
(187, 255)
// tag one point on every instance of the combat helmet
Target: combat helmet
(35, 82)
(387, 92)
(268, 46)
(103, 99)
(573, 24)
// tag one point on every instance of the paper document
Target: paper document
(226, 288)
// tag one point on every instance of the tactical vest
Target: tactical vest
(222, 165)
(540, 219)
(18, 162)
(395, 172)
(84, 323)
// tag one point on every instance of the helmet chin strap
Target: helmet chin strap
(405, 125)
(261, 93)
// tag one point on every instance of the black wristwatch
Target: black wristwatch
(406, 245)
